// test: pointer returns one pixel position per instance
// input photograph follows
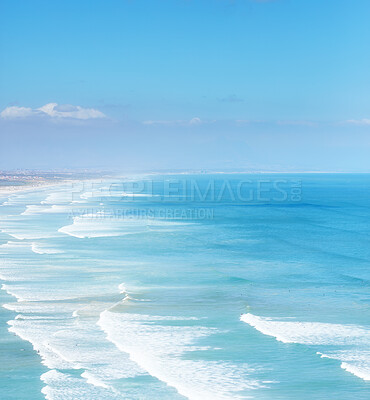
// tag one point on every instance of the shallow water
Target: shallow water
(188, 286)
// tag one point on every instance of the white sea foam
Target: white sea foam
(13, 293)
(64, 342)
(39, 248)
(33, 209)
(107, 194)
(100, 225)
(362, 371)
(25, 233)
(62, 196)
(160, 349)
(36, 247)
(43, 317)
(10, 244)
(14, 199)
(11, 271)
(39, 333)
(4, 277)
(93, 380)
(42, 209)
(68, 344)
(311, 333)
(356, 360)
(26, 227)
(64, 386)
(51, 289)
(122, 288)
(40, 308)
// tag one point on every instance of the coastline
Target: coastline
(26, 181)
(8, 190)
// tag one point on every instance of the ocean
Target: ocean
(187, 286)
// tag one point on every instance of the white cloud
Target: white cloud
(195, 121)
(52, 110)
(16, 112)
(364, 121)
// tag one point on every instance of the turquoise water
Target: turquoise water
(187, 286)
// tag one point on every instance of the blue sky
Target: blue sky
(218, 84)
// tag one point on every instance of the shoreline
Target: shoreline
(8, 190)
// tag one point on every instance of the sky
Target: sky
(279, 85)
